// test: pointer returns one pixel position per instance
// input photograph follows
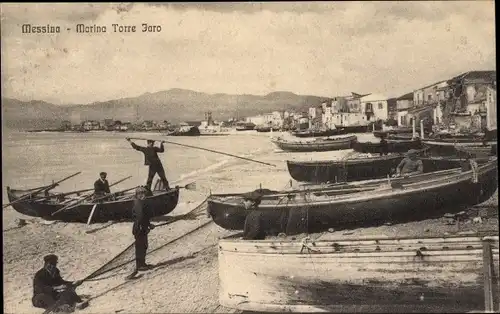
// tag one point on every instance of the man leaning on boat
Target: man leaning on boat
(410, 165)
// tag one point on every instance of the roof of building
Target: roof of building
(408, 96)
(474, 75)
(374, 97)
(420, 109)
(436, 83)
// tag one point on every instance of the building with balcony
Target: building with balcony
(374, 107)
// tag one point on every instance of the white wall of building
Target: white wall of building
(491, 108)
(379, 105)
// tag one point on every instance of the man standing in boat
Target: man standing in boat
(410, 165)
(152, 160)
(140, 229)
(101, 186)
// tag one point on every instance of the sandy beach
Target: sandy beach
(188, 282)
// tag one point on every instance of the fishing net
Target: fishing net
(127, 256)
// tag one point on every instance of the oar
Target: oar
(60, 194)
(40, 190)
(91, 214)
(205, 149)
(70, 206)
(190, 186)
(79, 191)
(90, 196)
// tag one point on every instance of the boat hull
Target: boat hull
(356, 128)
(311, 133)
(425, 199)
(393, 146)
(381, 133)
(361, 169)
(376, 275)
(448, 147)
(315, 146)
(162, 203)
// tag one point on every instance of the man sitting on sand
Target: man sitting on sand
(410, 165)
(50, 291)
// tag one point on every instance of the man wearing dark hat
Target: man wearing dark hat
(140, 229)
(50, 290)
(410, 165)
(101, 186)
(152, 160)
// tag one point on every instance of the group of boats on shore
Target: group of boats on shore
(460, 171)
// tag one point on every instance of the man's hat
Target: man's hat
(412, 152)
(103, 174)
(150, 141)
(50, 258)
(140, 189)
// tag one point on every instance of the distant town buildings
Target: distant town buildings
(468, 101)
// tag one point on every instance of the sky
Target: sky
(309, 48)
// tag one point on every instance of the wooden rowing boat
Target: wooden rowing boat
(477, 151)
(355, 128)
(321, 144)
(427, 196)
(448, 147)
(319, 133)
(380, 274)
(162, 202)
(393, 146)
(363, 168)
(400, 130)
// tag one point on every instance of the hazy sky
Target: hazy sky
(319, 48)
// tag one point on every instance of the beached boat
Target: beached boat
(355, 128)
(439, 274)
(318, 145)
(393, 146)
(162, 202)
(478, 151)
(449, 147)
(245, 126)
(424, 196)
(400, 130)
(363, 168)
(318, 133)
(263, 128)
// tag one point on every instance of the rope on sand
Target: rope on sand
(130, 249)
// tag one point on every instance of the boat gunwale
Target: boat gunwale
(457, 144)
(456, 178)
(155, 196)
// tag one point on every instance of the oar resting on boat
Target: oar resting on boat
(88, 196)
(41, 190)
(190, 186)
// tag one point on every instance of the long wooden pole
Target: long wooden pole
(205, 149)
(488, 275)
(43, 189)
(79, 191)
(95, 200)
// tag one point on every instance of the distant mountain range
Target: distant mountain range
(174, 105)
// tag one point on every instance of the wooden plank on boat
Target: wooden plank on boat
(447, 279)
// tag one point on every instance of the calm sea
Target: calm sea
(35, 159)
